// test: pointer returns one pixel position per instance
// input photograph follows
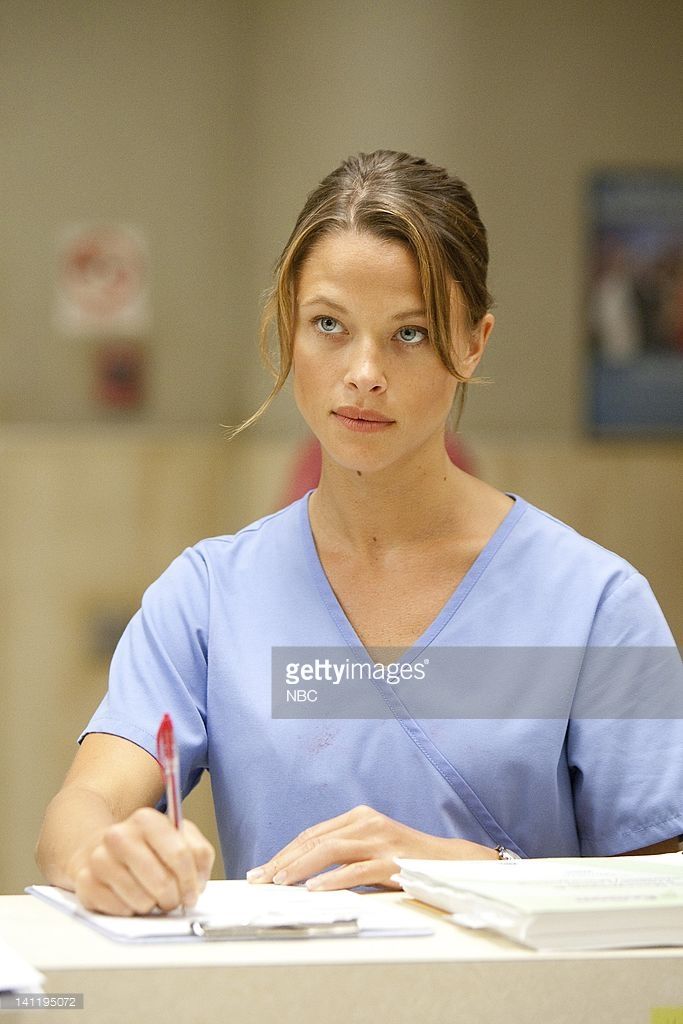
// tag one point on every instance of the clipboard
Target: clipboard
(214, 931)
(237, 910)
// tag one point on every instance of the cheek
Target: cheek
(309, 369)
(302, 366)
(307, 376)
(434, 388)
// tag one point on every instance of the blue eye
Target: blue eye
(322, 322)
(413, 340)
(329, 325)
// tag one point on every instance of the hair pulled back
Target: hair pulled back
(397, 197)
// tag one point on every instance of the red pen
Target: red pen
(167, 755)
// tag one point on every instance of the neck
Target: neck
(388, 509)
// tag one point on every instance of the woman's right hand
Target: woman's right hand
(141, 863)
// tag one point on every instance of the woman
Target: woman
(382, 315)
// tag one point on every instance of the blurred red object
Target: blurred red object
(119, 374)
(305, 473)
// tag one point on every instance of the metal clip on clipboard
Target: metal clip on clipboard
(340, 928)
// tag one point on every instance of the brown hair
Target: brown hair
(401, 198)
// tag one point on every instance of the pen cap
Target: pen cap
(166, 748)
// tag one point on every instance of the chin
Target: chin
(357, 462)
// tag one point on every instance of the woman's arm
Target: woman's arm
(364, 843)
(667, 846)
(102, 838)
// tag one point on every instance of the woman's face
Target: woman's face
(366, 378)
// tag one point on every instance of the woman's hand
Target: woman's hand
(141, 863)
(364, 843)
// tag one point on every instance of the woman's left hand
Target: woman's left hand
(364, 843)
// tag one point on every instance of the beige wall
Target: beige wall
(207, 122)
(131, 111)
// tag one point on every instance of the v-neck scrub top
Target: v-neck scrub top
(200, 648)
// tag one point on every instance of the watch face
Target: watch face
(505, 854)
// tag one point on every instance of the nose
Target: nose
(365, 370)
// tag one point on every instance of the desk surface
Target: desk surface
(454, 974)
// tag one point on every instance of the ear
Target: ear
(476, 344)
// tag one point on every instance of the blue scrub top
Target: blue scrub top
(201, 645)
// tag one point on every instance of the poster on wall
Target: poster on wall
(102, 287)
(634, 308)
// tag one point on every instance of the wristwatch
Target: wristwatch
(505, 854)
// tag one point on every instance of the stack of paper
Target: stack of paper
(238, 910)
(16, 975)
(572, 903)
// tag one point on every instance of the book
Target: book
(239, 910)
(584, 903)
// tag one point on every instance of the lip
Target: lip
(362, 421)
(353, 412)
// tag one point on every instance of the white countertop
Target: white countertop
(51, 940)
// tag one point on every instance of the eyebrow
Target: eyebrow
(323, 300)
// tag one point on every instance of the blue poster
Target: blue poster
(635, 303)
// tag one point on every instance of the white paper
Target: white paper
(225, 903)
(16, 974)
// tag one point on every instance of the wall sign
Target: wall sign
(102, 287)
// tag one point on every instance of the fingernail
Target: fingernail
(254, 873)
(190, 898)
(280, 878)
(313, 883)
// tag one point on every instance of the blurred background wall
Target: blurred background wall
(205, 124)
